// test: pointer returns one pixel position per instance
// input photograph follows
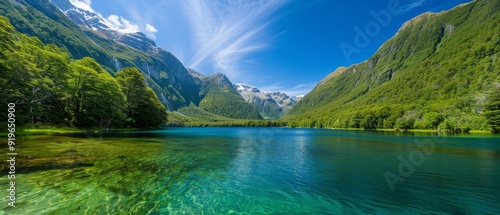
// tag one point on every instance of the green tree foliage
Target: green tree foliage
(94, 97)
(405, 124)
(33, 76)
(430, 120)
(143, 108)
(369, 121)
(492, 111)
(6, 36)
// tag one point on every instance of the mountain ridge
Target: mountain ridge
(416, 74)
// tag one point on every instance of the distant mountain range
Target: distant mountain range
(271, 105)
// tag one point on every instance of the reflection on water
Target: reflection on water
(254, 171)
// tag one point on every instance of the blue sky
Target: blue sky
(275, 45)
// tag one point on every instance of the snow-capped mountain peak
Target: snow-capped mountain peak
(91, 19)
(271, 105)
(114, 27)
(245, 87)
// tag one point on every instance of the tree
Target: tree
(492, 110)
(449, 125)
(369, 121)
(430, 120)
(405, 123)
(15, 74)
(43, 72)
(143, 108)
(94, 97)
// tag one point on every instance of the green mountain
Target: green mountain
(219, 96)
(438, 71)
(56, 22)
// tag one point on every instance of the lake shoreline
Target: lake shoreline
(67, 130)
(413, 130)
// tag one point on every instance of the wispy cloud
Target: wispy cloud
(121, 24)
(82, 4)
(151, 31)
(414, 4)
(224, 32)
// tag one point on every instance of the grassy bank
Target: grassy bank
(412, 130)
(48, 130)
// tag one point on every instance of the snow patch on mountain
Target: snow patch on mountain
(246, 88)
(297, 98)
(82, 14)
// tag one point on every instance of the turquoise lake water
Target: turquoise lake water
(258, 171)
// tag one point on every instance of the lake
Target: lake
(256, 171)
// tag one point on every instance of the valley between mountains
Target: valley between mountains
(439, 72)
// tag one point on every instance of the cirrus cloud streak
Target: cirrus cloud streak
(224, 33)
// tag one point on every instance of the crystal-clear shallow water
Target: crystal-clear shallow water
(261, 170)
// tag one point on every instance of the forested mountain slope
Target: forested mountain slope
(437, 71)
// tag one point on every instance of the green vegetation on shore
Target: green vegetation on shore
(492, 111)
(142, 109)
